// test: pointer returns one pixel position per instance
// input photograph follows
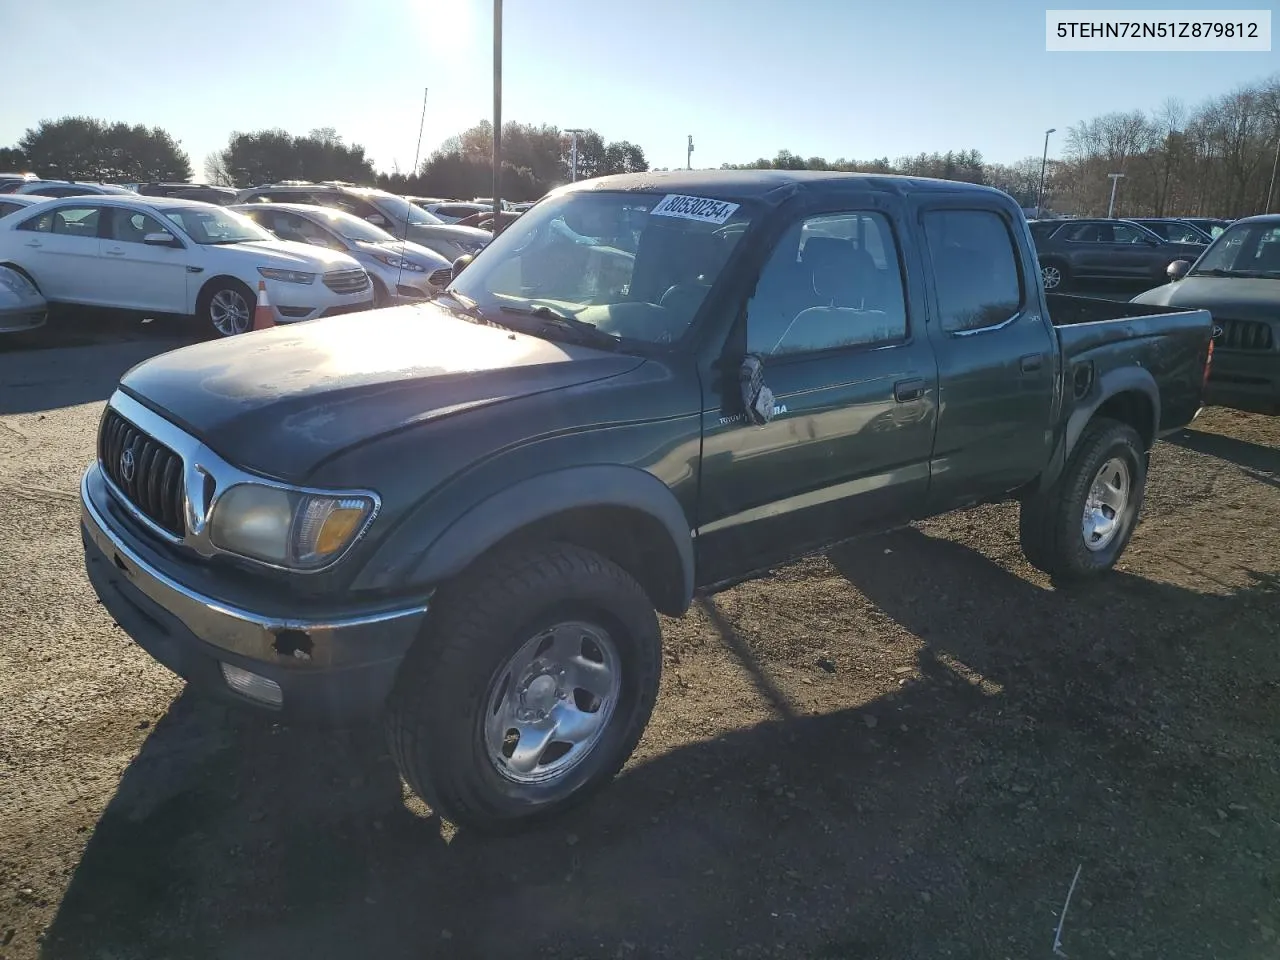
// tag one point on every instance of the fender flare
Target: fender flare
(1114, 382)
(491, 520)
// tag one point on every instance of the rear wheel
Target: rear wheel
(1055, 275)
(1080, 526)
(530, 688)
(226, 308)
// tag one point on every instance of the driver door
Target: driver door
(844, 350)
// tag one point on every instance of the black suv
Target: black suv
(1071, 250)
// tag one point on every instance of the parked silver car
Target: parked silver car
(22, 308)
(401, 272)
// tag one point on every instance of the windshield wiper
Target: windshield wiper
(1219, 272)
(564, 321)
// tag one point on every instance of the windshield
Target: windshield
(634, 265)
(1246, 249)
(398, 208)
(351, 227)
(216, 225)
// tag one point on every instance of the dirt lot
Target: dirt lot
(904, 749)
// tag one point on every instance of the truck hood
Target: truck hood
(279, 402)
(1234, 298)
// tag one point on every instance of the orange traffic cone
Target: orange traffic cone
(264, 318)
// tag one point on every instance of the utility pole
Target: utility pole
(1115, 179)
(688, 156)
(1043, 163)
(573, 153)
(497, 117)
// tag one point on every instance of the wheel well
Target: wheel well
(205, 291)
(1134, 408)
(634, 540)
(17, 269)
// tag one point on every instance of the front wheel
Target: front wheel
(1081, 525)
(1054, 275)
(529, 689)
(226, 307)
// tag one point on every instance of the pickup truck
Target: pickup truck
(463, 516)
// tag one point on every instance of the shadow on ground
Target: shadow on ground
(1043, 730)
(95, 350)
(1260, 462)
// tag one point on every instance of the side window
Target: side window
(8, 208)
(1123, 233)
(975, 268)
(72, 221)
(1084, 233)
(353, 205)
(130, 226)
(832, 281)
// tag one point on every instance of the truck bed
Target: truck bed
(1111, 338)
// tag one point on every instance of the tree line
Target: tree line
(1216, 159)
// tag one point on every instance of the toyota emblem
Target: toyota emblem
(1217, 331)
(128, 466)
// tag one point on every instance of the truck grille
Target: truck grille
(442, 277)
(150, 476)
(347, 281)
(1245, 335)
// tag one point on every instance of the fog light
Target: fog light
(252, 686)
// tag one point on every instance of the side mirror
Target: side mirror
(377, 219)
(461, 263)
(160, 240)
(1177, 270)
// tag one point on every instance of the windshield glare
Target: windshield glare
(1252, 248)
(211, 225)
(609, 260)
(350, 227)
(398, 208)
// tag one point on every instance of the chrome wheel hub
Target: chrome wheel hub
(229, 312)
(1052, 276)
(548, 705)
(1104, 507)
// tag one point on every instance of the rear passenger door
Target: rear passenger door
(995, 355)
(844, 351)
(60, 248)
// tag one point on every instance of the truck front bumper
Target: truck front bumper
(338, 669)
(1245, 381)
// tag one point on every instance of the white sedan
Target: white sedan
(169, 256)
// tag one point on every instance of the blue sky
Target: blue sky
(746, 77)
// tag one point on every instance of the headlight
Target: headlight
(287, 276)
(16, 283)
(399, 263)
(299, 530)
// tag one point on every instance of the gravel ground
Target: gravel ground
(903, 749)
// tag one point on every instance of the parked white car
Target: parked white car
(451, 211)
(401, 272)
(170, 256)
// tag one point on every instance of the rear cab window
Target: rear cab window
(976, 273)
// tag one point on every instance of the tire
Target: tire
(1054, 274)
(381, 298)
(444, 715)
(1057, 536)
(213, 308)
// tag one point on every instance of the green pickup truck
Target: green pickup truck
(462, 516)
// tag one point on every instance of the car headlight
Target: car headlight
(399, 263)
(17, 284)
(287, 276)
(303, 531)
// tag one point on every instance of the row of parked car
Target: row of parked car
(319, 249)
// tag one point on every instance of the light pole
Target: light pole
(1115, 178)
(688, 156)
(573, 153)
(1043, 163)
(1274, 163)
(497, 117)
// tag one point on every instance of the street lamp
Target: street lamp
(688, 154)
(1115, 179)
(1043, 162)
(573, 153)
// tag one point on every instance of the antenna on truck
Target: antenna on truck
(417, 151)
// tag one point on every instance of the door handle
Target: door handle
(904, 391)
(34, 243)
(1031, 362)
(115, 252)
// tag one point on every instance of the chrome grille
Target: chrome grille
(347, 281)
(150, 476)
(1245, 335)
(442, 277)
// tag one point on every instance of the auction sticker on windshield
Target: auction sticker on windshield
(694, 208)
